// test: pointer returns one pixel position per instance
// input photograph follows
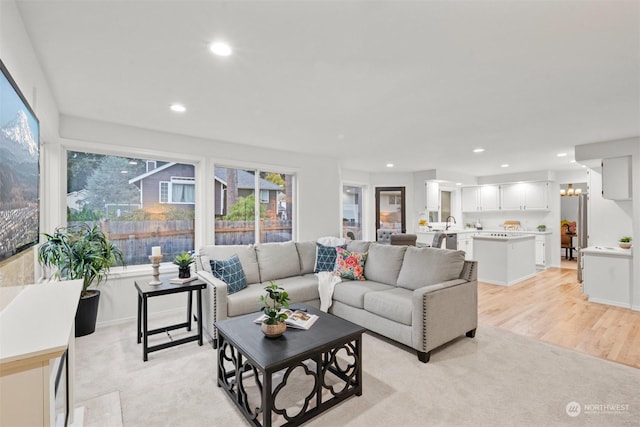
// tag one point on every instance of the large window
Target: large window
(139, 203)
(241, 218)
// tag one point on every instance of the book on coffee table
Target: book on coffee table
(179, 281)
(298, 319)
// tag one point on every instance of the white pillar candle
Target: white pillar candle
(155, 251)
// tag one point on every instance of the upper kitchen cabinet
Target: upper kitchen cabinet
(433, 196)
(616, 178)
(524, 196)
(485, 198)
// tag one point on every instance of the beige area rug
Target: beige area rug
(495, 379)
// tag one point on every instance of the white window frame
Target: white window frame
(262, 198)
(167, 185)
(181, 180)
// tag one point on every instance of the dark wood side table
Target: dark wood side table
(146, 291)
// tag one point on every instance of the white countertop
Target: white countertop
(508, 238)
(487, 230)
(36, 323)
(607, 251)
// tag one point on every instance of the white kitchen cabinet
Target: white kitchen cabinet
(616, 178)
(607, 275)
(541, 251)
(465, 243)
(489, 198)
(433, 196)
(524, 196)
(485, 198)
(470, 199)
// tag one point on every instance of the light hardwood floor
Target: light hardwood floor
(551, 307)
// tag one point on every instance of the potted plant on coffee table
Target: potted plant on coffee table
(273, 302)
(183, 260)
(81, 252)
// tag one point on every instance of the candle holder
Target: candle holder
(155, 264)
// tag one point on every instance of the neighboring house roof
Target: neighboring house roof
(245, 179)
(151, 172)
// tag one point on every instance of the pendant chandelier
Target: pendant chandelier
(570, 191)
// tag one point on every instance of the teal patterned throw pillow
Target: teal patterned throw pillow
(230, 272)
(326, 257)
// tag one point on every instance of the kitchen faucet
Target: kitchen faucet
(447, 221)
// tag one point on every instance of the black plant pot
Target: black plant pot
(184, 273)
(87, 313)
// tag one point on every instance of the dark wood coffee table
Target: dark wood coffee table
(247, 358)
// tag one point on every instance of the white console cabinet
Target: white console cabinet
(36, 329)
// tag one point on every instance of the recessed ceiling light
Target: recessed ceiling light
(458, 183)
(220, 48)
(178, 108)
(572, 161)
(123, 172)
(561, 154)
(584, 166)
(133, 162)
(504, 165)
(478, 150)
(390, 165)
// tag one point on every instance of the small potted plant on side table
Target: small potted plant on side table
(625, 242)
(183, 260)
(275, 299)
(542, 228)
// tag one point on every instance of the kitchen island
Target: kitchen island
(504, 258)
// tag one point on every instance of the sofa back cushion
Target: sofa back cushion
(246, 255)
(277, 260)
(383, 263)
(307, 256)
(358, 245)
(428, 266)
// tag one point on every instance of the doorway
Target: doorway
(390, 209)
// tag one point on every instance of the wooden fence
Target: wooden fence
(243, 232)
(136, 238)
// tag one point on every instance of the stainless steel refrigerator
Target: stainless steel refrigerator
(582, 230)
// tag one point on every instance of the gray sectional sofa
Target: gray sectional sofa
(420, 297)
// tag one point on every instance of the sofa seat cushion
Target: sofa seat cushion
(393, 304)
(352, 292)
(246, 301)
(384, 263)
(246, 254)
(300, 288)
(428, 266)
(277, 260)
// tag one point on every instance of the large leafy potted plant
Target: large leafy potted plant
(81, 252)
(275, 299)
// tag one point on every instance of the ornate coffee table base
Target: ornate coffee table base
(316, 366)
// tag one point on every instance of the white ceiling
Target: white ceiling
(416, 83)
